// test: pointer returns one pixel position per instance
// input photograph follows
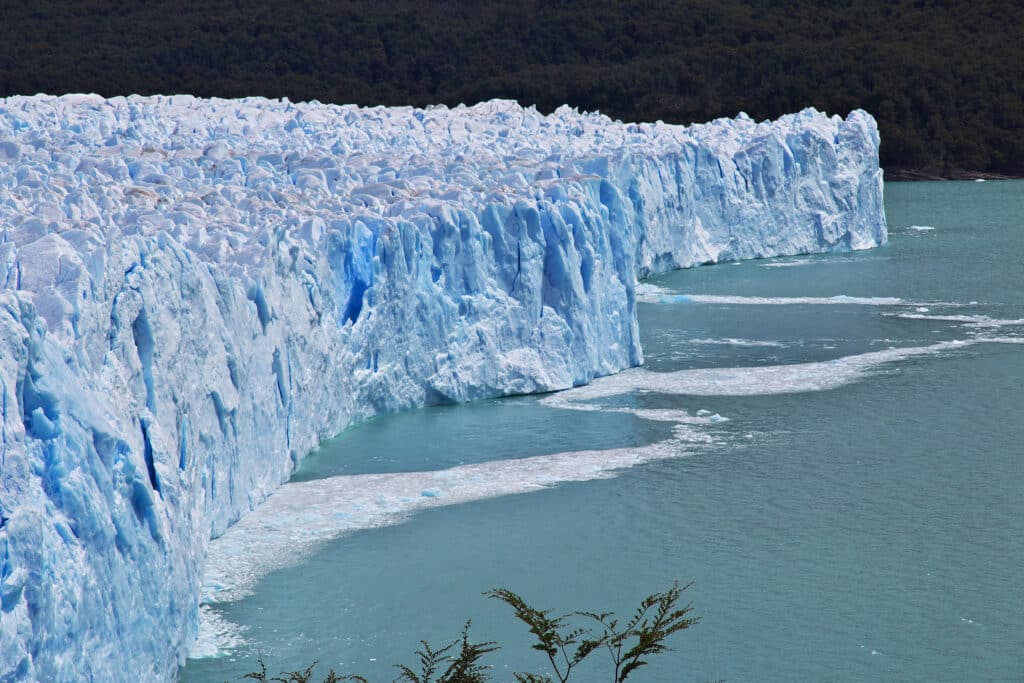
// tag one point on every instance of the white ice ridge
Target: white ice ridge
(197, 292)
(654, 294)
(970, 321)
(723, 299)
(734, 341)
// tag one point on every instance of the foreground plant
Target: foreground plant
(562, 639)
(462, 669)
(298, 676)
(657, 617)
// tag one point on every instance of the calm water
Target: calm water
(858, 516)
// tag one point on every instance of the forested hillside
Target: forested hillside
(945, 79)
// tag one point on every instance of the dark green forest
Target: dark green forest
(944, 78)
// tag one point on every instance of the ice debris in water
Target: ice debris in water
(196, 292)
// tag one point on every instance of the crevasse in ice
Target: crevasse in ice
(197, 292)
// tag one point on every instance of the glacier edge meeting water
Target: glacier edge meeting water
(198, 292)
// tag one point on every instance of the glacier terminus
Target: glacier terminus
(196, 293)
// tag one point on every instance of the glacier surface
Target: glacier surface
(195, 293)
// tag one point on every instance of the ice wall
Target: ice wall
(196, 292)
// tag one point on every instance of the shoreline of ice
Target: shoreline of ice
(197, 292)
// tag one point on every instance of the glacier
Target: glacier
(195, 293)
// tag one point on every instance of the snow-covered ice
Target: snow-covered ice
(196, 292)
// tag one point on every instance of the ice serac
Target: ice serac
(197, 292)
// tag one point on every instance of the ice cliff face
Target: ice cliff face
(196, 292)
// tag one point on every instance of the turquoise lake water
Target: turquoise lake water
(858, 514)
